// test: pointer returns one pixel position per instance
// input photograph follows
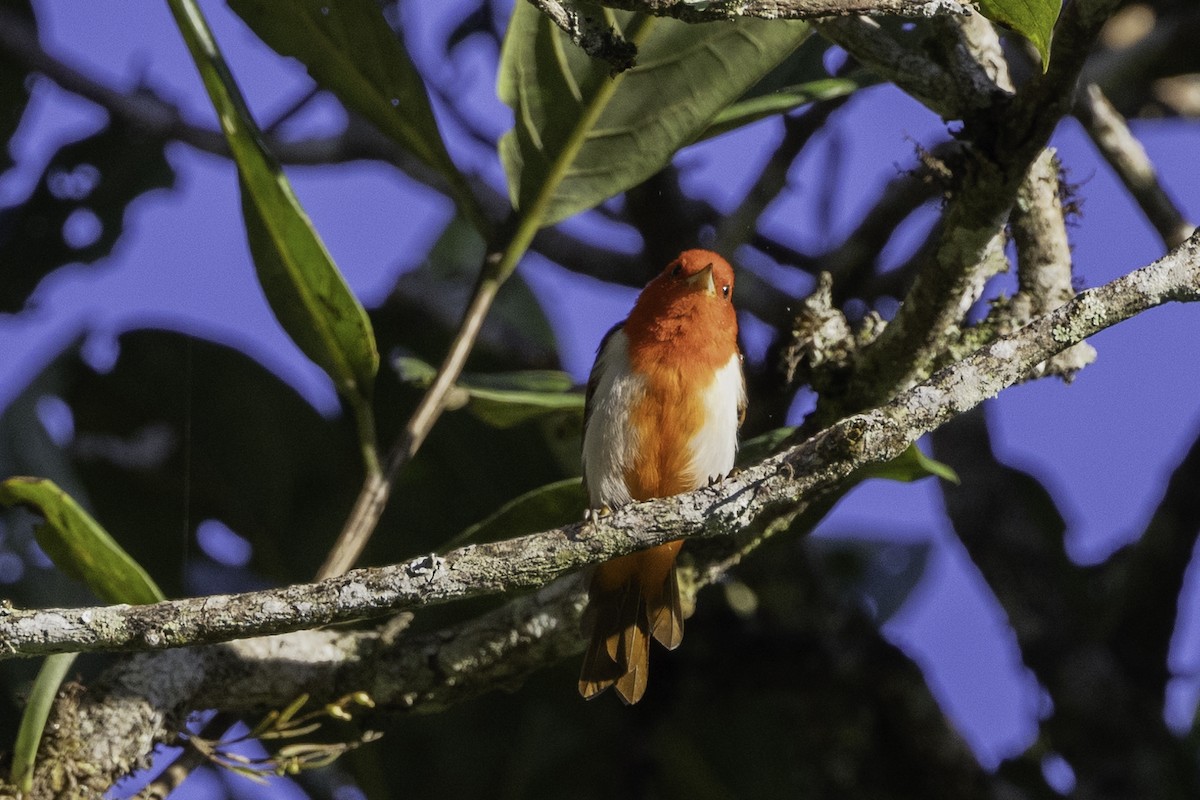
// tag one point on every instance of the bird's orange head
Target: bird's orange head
(690, 304)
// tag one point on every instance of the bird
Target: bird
(665, 400)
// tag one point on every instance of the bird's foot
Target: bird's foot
(594, 514)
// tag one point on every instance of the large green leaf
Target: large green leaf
(1033, 19)
(349, 49)
(304, 287)
(583, 135)
(78, 545)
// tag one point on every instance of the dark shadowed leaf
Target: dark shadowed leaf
(429, 302)
(880, 575)
(77, 544)
(349, 49)
(546, 507)
(304, 287)
(14, 93)
(183, 430)
(583, 135)
(89, 182)
(1033, 19)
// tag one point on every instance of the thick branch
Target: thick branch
(1044, 259)
(778, 487)
(789, 9)
(1007, 133)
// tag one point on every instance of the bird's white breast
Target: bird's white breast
(611, 443)
(714, 446)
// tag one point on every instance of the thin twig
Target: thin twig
(377, 488)
(590, 32)
(1125, 154)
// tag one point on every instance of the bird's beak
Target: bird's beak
(703, 281)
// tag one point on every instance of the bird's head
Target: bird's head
(693, 294)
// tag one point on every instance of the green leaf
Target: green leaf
(546, 507)
(349, 49)
(78, 545)
(307, 293)
(583, 135)
(41, 700)
(909, 466)
(505, 399)
(82, 549)
(310, 299)
(782, 101)
(1033, 19)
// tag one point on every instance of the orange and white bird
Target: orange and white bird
(664, 402)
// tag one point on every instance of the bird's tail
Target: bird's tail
(630, 599)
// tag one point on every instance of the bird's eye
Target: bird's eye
(678, 269)
(725, 290)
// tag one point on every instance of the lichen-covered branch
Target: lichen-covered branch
(144, 698)
(789, 9)
(908, 68)
(1039, 231)
(746, 502)
(1006, 133)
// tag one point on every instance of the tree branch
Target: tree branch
(1007, 133)
(1124, 153)
(146, 698)
(778, 488)
(1039, 231)
(592, 35)
(789, 9)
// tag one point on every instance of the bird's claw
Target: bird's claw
(713, 480)
(594, 514)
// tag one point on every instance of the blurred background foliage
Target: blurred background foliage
(218, 476)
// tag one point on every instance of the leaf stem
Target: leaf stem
(41, 699)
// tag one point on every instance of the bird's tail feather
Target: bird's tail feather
(631, 599)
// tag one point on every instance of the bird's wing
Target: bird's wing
(593, 382)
